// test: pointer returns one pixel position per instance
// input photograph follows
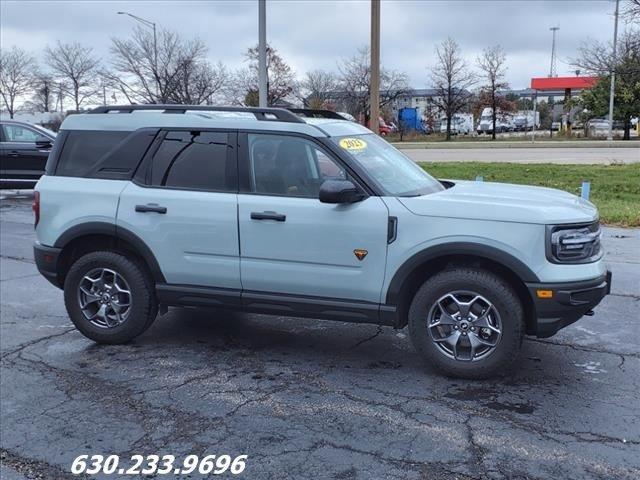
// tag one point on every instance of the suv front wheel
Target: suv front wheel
(109, 297)
(468, 322)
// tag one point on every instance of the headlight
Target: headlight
(574, 244)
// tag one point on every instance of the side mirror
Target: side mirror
(43, 143)
(340, 191)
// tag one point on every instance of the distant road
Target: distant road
(527, 155)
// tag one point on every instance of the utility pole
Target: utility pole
(262, 53)
(374, 93)
(553, 70)
(612, 87)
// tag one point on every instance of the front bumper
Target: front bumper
(568, 302)
(47, 262)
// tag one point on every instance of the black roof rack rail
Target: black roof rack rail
(311, 113)
(266, 114)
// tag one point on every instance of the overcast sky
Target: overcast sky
(318, 34)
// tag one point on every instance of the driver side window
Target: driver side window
(20, 134)
(289, 166)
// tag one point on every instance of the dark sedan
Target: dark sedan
(24, 149)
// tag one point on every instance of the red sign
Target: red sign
(562, 83)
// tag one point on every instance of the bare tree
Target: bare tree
(483, 98)
(492, 65)
(631, 12)
(173, 71)
(281, 80)
(43, 91)
(451, 78)
(317, 88)
(76, 67)
(16, 72)
(596, 57)
(199, 83)
(355, 83)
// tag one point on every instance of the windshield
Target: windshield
(398, 175)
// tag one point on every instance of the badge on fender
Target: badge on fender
(360, 253)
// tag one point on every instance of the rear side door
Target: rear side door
(293, 244)
(183, 205)
(21, 159)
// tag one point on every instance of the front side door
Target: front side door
(293, 244)
(186, 210)
(21, 159)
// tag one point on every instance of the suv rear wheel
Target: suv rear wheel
(109, 297)
(468, 322)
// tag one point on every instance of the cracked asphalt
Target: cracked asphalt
(309, 398)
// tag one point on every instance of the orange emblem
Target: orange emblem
(360, 253)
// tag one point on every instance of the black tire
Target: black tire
(495, 290)
(143, 304)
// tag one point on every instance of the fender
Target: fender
(120, 233)
(456, 248)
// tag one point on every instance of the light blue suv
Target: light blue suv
(302, 213)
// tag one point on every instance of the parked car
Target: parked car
(312, 217)
(601, 125)
(24, 149)
(383, 128)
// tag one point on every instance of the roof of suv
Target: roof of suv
(130, 118)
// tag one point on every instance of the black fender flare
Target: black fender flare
(117, 232)
(456, 248)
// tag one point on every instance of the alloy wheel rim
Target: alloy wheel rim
(465, 326)
(104, 297)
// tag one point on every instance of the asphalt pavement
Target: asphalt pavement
(310, 398)
(562, 155)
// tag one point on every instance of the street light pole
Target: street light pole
(262, 54)
(152, 25)
(552, 69)
(374, 93)
(612, 87)
(155, 46)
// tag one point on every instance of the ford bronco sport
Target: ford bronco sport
(302, 213)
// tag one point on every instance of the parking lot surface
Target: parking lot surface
(307, 398)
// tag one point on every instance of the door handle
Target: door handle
(14, 154)
(278, 217)
(151, 207)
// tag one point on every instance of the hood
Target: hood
(503, 202)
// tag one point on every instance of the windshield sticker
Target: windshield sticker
(353, 144)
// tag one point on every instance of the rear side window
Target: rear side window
(84, 149)
(195, 160)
